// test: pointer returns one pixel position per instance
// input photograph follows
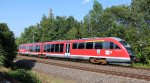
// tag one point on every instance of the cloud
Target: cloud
(86, 1)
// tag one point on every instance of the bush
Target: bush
(24, 76)
(7, 44)
(2, 58)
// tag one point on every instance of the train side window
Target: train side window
(89, 45)
(111, 45)
(37, 48)
(34, 48)
(116, 46)
(61, 48)
(24, 47)
(81, 46)
(30, 48)
(27, 47)
(52, 47)
(56, 47)
(106, 45)
(74, 45)
(45, 48)
(98, 45)
(48, 47)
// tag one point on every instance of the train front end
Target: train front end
(129, 51)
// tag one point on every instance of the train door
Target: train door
(67, 54)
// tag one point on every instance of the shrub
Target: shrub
(2, 58)
(7, 44)
(24, 76)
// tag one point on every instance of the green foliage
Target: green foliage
(24, 76)
(7, 44)
(131, 23)
(141, 65)
(2, 57)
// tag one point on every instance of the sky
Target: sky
(19, 14)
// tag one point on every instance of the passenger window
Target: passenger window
(56, 47)
(27, 48)
(31, 48)
(74, 46)
(98, 45)
(34, 48)
(81, 46)
(106, 45)
(61, 47)
(37, 48)
(45, 48)
(89, 45)
(111, 45)
(48, 48)
(52, 48)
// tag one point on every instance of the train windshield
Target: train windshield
(130, 51)
(128, 47)
(125, 44)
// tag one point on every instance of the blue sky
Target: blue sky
(19, 14)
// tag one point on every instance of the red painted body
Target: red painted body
(118, 55)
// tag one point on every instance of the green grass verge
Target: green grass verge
(141, 65)
(24, 76)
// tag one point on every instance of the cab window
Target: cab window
(110, 45)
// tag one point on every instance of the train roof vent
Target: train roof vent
(118, 39)
(90, 38)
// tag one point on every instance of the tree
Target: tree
(131, 23)
(7, 44)
(92, 20)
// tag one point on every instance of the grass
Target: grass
(27, 76)
(22, 75)
(141, 65)
(3, 69)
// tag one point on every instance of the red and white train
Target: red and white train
(96, 50)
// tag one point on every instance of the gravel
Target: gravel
(103, 67)
(78, 76)
(84, 76)
(106, 67)
(81, 76)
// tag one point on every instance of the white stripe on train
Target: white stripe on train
(86, 56)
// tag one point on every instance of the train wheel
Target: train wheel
(98, 61)
(103, 61)
(94, 60)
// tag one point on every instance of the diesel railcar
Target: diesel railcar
(96, 50)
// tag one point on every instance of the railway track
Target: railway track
(116, 73)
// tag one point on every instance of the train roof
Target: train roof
(115, 38)
(118, 39)
(30, 44)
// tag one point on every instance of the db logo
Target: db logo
(108, 52)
